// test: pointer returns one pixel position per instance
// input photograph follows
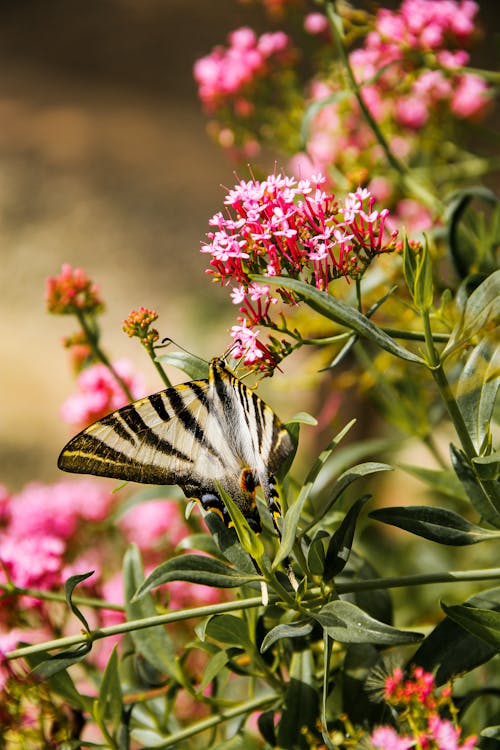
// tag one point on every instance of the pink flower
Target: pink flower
(386, 738)
(33, 561)
(99, 393)
(72, 291)
(316, 23)
(446, 736)
(146, 523)
(279, 226)
(56, 509)
(471, 96)
(226, 73)
(184, 594)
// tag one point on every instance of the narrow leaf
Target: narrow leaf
(229, 630)
(342, 314)
(69, 587)
(488, 467)
(477, 387)
(339, 548)
(449, 650)
(286, 630)
(484, 623)
(346, 479)
(154, 644)
(250, 541)
(110, 694)
(436, 524)
(229, 544)
(301, 705)
(443, 481)
(60, 661)
(481, 312)
(195, 569)
(347, 623)
(473, 488)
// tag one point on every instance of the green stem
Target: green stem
(161, 372)
(419, 579)
(444, 387)
(55, 596)
(256, 601)
(257, 704)
(431, 445)
(418, 190)
(100, 355)
(146, 622)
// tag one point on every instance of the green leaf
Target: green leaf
(286, 630)
(250, 541)
(194, 367)
(342, 314)
(196, 569)
(69, 587)
(229, 544)
(316, 553)
(483, 623)
(110, 694)
(345, 480)
(436, 524)
(443, 481)
(488, 467)
(469, 248)
(154, 644)
(64, 659)
(449, 650)
(476, 493)
(292, 517)
(301, 705)
(423, 290)
(214, 665)
(230, 630)
(61, 683)
(481, 312)
(477, 388)
(409, 265)
(339, 547)
(347, 623)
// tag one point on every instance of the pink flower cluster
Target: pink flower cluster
(72, 292)
(279, 226)
(99, 393)
(227, 74)
(430, 28)
(418, 698)
(38, 523)
(409, 71)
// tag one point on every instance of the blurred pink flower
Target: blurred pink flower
(55, 509)
(32, 561)
(184, 594)
(144, 524)
(386, 738)
(99, 393)
(471, 96)
(226, 72)
(316, 23)
(446, 736)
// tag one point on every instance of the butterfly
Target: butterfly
(197, 435)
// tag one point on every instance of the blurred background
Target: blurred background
(104, 164)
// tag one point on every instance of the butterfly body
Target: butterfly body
(198, 435)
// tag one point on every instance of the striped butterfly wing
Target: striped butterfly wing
(195, 435)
